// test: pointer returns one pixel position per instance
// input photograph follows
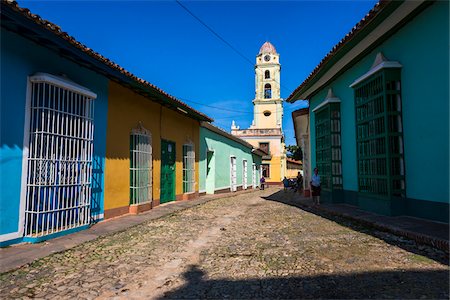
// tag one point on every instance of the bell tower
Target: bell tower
(266, 133)
(268, 106)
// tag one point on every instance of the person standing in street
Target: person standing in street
(315, 186)
(261, 182)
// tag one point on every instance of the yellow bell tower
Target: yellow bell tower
(266, 132)
(268, 106)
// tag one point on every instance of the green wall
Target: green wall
(224, 148)
(421, 46)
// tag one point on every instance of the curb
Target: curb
(417, 237)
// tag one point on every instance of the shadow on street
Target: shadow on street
(291, 199)
(388, 284)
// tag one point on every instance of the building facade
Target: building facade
(69, 158)
(266, 132)
(227, 163)
(152, 153)
(379, 112)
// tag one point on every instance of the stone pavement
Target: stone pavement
(19, 255)
(423, 231)
(251, 245)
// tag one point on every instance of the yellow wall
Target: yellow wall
(292, 170)
(125, 110)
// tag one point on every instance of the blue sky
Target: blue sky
(160, 42)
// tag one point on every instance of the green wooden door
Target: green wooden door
(167, 171)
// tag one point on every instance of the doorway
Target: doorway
(233, 174)
(168, 156)
(210, 171)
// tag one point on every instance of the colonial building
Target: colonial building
(379, 110)
(227, 163)
(266, 129)
(81, 138)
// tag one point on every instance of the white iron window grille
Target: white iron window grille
(244, 174)
(140, 165)
(60, 152)
(188, 168)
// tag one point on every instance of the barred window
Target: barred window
(328, 145)
(188, 168)
(379, 134)
(140, 165)
(60, 154)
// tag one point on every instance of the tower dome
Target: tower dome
(267, 47)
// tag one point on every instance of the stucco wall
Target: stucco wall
(126, 110)
(422, 48)
(21, 58)
(224, 148)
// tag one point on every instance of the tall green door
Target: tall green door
(167, 171)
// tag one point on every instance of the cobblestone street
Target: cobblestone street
(254, 245)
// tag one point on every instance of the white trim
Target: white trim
(99, 216)
(325, 102)
(26, 141)
(383, 65)
(202, 191)
(62, 82)
(11, 236)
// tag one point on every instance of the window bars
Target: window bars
(244, 174)
(188, 168)
(140, 165)
(59, 162)
(379, 134)
(328, 146)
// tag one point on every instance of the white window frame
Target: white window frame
(141, 167)
(58, 156)
(188, 168)
(244, 174)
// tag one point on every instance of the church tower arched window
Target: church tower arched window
(267, 74)
(267, 91)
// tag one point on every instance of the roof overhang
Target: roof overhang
(223, 133)
(31, 26)
(380, 23)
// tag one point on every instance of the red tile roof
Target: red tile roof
(349, 36)
(56, 30)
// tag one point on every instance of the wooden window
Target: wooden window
(264, 147)
(328, 145)
(265, 170)
(379, 136)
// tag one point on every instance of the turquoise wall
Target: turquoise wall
(422, 48)
(21, 58)
(224, 148)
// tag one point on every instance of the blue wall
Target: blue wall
(422, 48)
(21, 58)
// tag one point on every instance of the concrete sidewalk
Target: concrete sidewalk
(16, 256)
(435, 234)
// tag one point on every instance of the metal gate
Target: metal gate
(233, 174)
(59, 162)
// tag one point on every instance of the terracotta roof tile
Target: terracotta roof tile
(64, 35)
(357, 28)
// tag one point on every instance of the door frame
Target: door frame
(174, 172)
